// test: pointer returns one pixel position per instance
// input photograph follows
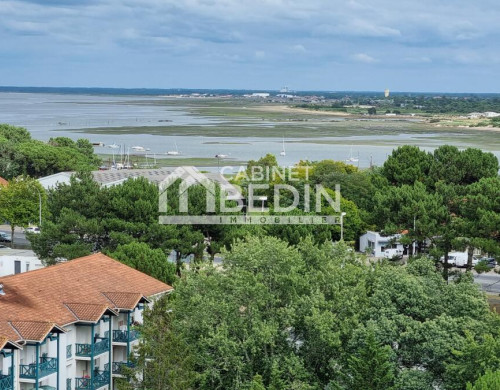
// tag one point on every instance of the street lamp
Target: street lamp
(342, 215)
(39, 207)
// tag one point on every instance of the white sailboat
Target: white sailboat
(138, 148)
(113, 146)
(174, 152)
(352, 158)
(283, 152)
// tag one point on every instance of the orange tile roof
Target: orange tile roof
(3, 182)
(123, 300)
(44, 294)
(6, 343)
(89, 311)
(33, 330)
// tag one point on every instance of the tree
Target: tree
(370, 367)
(406, 165)
(489, 381)
(140, 256)
(20, 203)
(21, 155)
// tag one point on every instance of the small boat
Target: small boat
(283, 152)
(113, 146)
(174, 152)
(221, 156)
(139, 148)
(351, 158)
(97, 144)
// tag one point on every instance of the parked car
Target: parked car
(489, 262)
(4, 237)
(393, 253)
(32, 229)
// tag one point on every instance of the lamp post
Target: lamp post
(39, 207)
(342, 215)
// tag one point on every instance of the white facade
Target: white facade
(375, 244)
(14, 261)
(65, 358)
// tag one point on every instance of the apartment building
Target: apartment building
(71, 326)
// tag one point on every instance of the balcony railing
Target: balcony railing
(101, 378)
(6, 382)
(118, 367)
(85, 350)
(69, 351)
(123, 336)
(46, 367)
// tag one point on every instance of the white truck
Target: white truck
(457, 259)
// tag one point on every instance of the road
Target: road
(19, 238)
(489, 282)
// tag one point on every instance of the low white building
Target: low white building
(16, 261)
(375, 244)
(52, 181)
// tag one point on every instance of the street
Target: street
(489, 282)
(20, 240)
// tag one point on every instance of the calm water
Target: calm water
(51, 115)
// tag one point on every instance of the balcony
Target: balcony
(46, 367)
(69, 351)
(85, 350)
(101, 378)
(6, 382)
(118, 367)
(124, 336)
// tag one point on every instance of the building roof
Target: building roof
(34, 330)
(123, 300)
(6, 343)
(70, 292)
(3, 182)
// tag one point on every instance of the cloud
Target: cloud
(211, 38)
(298, 49)
(362, 57)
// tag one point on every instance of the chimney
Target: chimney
(1, 289)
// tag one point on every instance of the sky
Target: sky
(330, 45)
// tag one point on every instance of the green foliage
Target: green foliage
(406, 165)
(21, 155)
(20, 203)
(489, 381)
(313, 317)
(140, 256)
(370, 367)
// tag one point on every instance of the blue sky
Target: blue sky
(425, 45)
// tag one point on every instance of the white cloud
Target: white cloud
(363, 57)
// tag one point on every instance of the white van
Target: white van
(457, 259)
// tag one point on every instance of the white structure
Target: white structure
(71, 326)
(52, 181)
(376, 244)
(15, 261)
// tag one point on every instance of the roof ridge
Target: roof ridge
(60, 264)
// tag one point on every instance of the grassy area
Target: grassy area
(240, 118)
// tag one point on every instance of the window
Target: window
(68, 384)
(17, 267)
